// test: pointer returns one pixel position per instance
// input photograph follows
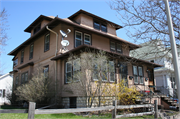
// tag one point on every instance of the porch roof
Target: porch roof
(113, 55)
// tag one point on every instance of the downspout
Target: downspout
(55, 56)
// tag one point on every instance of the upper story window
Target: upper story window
(37, 28)
(22, 56)
(79, 39)
(46, 42)
(103, 28)
(87, 39)
(178, 54)
(138, 74)
(100, 26)
(115, 47)
(97, 25)
(31, 51)
(15, 62)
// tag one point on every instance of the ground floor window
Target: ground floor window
(138, 74)
(24, 77)
(106, 71)
(71, 71)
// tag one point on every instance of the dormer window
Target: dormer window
(100, 26)
(103, 28)
(37, 28)
(97, 25)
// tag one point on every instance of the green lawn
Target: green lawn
(50, 116)
(64, 116)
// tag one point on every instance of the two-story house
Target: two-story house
(87, 30)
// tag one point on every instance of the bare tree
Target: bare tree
(94, 78)
(146, 20)
(37, 89)
(3, 28)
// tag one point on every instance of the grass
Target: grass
(65, 116)
(51, 116)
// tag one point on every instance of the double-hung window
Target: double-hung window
(22, 56)
(46, 72)
(17, 81)
(112, 46)
(111, 71)
(104, 71)
(82, 38)
(68, 72)
(87, 39)
(138, 75)
(100, 26)
(31, 51)
(118, 48)
(123, 71)
(103, 28)
(135, 73)
(46, 42)
(140, 70)
(115, 47)
(76, 69)
(78, 39)
(97, 25)
(24, 77)
(95, 71)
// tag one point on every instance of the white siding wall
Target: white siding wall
(5, 84)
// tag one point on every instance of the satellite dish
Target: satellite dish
(65, 42)
(63, 33)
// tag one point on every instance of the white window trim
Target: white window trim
(89, 39)
(68, 72)
(140, 80)
(78, 39)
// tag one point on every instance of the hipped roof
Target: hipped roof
(55, 21)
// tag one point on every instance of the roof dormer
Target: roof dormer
(39, 23)
(92, 21)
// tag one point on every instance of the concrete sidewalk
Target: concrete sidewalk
(164, 115)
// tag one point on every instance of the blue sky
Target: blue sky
(21, 13)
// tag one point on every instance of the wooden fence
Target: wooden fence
(114, 108)
(32, 111)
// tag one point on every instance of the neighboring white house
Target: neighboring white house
(155, 51)
(6, 82)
